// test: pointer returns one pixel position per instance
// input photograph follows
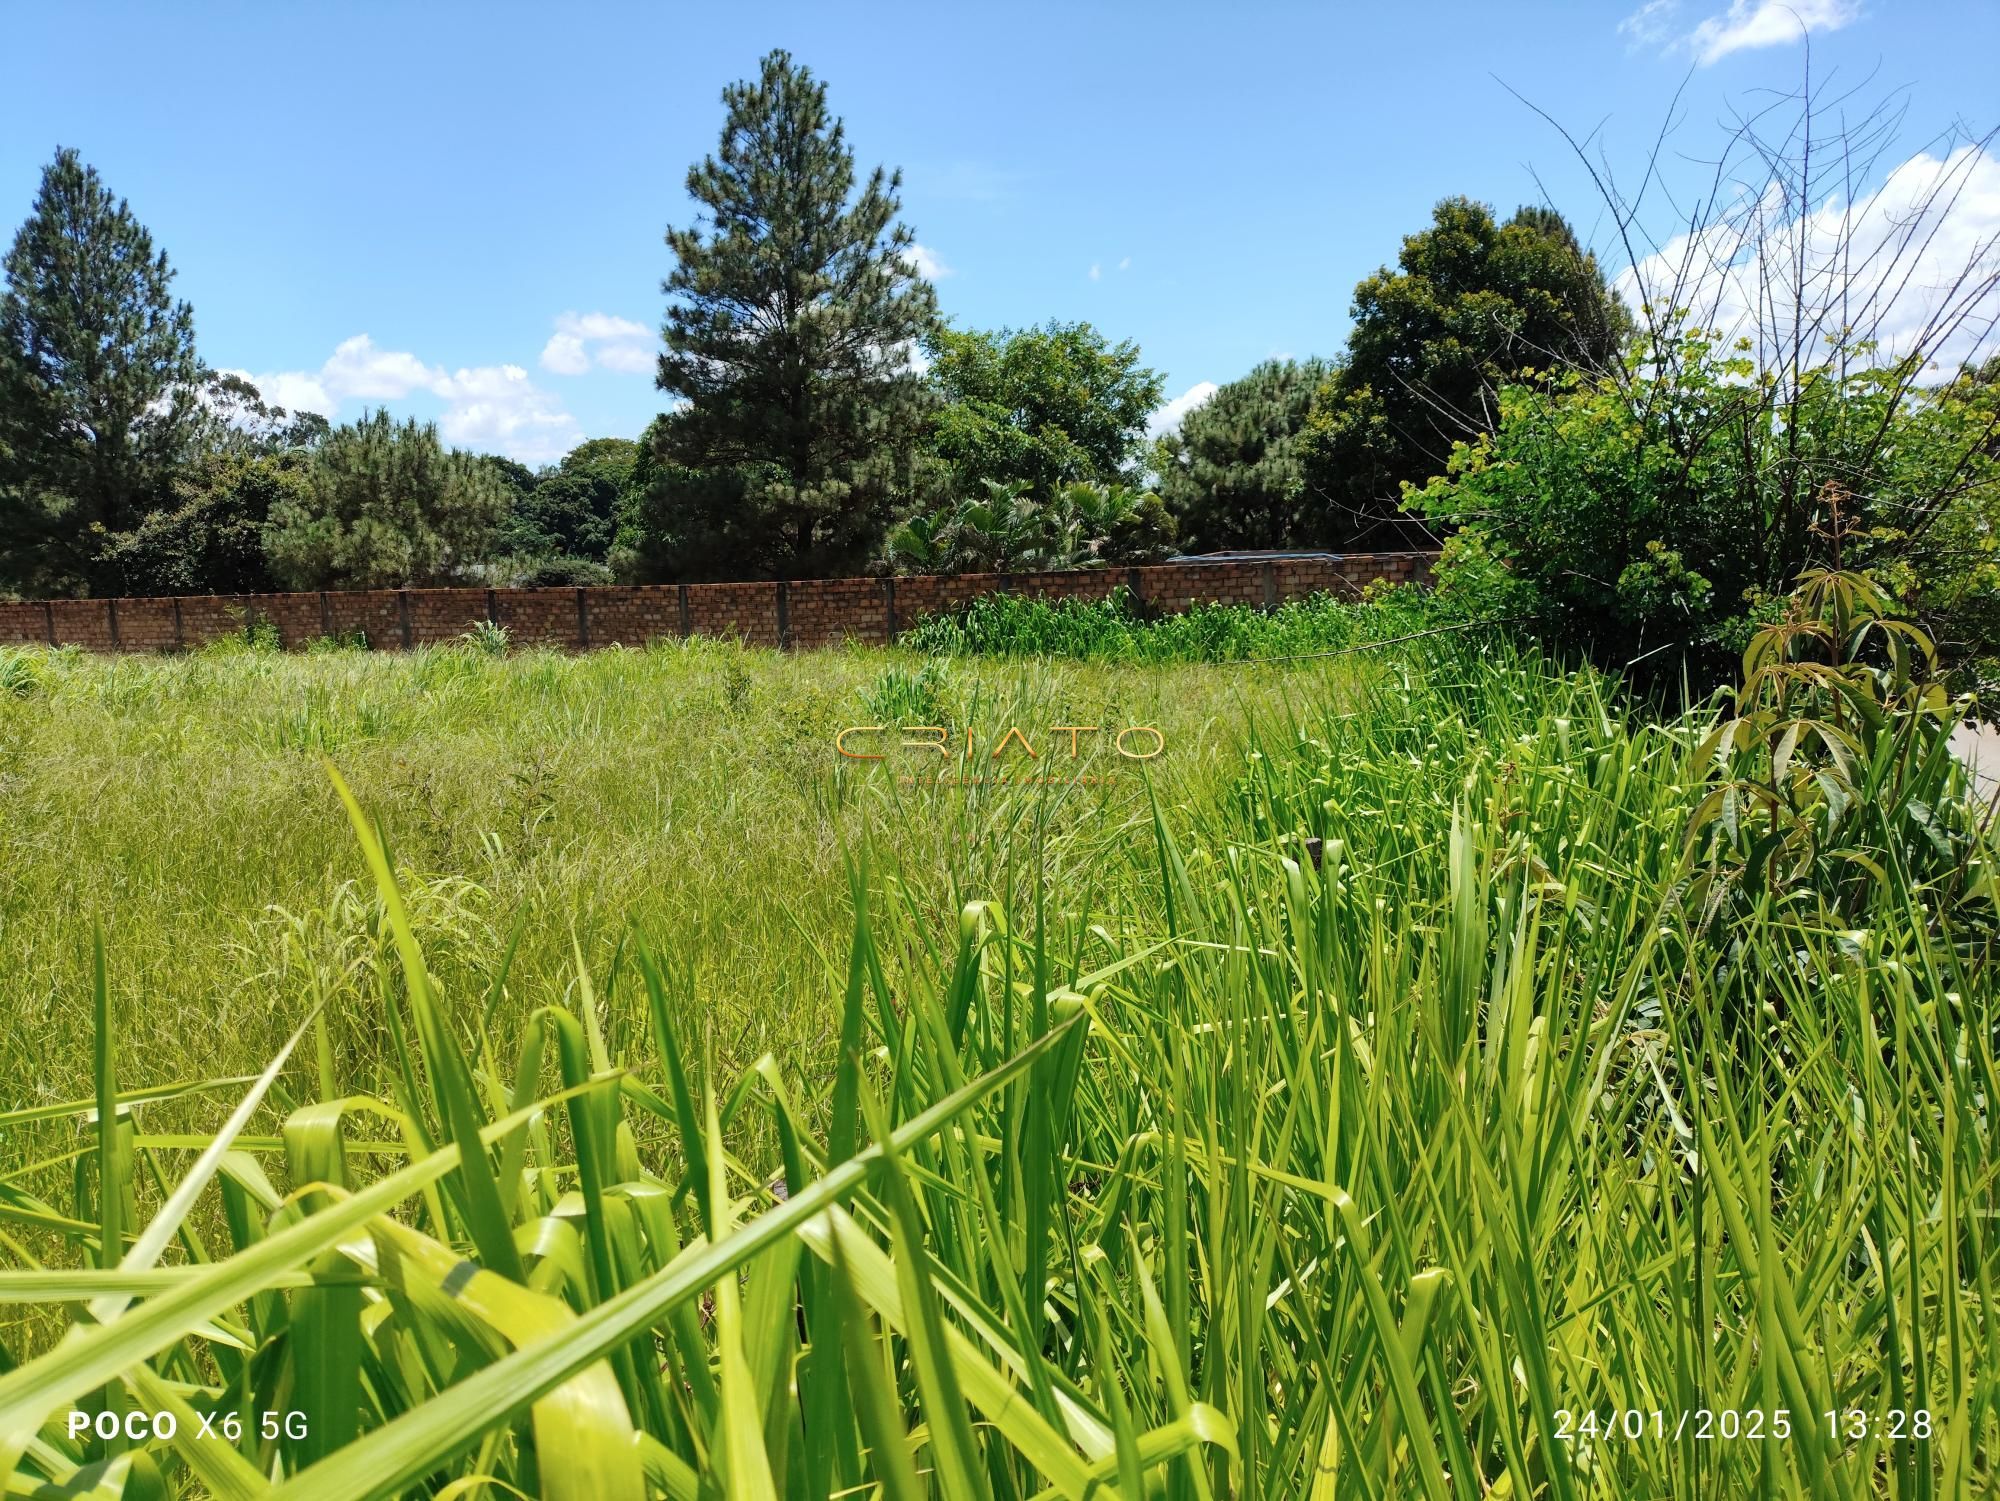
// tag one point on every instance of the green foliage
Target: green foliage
(1137, 528)
(255, 632)
(1944, 561)
(339, 641)
(488, 638)
(1113, 630)
(1835, 764)
(20, 673)
(1079, 525)
(904, 695)
(794, 307)
(519, 572)
(1661, 509)
(209, 537)
(689, 525)
(1361, 1107)
(1230, 472)
(572, 510)
(385, 506)
(1039, 407)
(98, 383)
(1472, 305)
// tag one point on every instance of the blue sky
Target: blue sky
(457, 209)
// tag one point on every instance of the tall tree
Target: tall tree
(1472, 305)
(793, 310)
(1046, 407)
(384, 506)
(1230, 472)
(98, 381)
(569, 513)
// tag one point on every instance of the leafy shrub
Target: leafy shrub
(551, 572)
(1657, 512)
(1834, 778)
(253, 632)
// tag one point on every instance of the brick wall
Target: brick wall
(800, 613)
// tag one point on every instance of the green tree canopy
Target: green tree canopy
(1230, 472)
(794, 310)
(1045, 406)
(1471, 305)
(209, 536)
(386, 506)
(98, 382)
(572, 509)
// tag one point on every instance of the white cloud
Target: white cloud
(1651, 25)
(611, 342)
(294, 390)
(1095, 271)
(927, 263)
(1168, 417)
(629, 359)
(357, 368)
(565, 355)
(1900, 251)
(1746, 25)
(1125, 264)
(495, 408)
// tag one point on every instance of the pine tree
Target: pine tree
(1230, 472)
(386, 505)
(794, 309)
(98, 382)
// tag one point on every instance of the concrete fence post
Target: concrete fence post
(1270, 572)
(111, 619)
(325, 614)
(403, 618)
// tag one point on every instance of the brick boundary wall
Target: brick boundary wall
(790, 614)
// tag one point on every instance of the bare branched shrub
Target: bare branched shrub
(1786, 256)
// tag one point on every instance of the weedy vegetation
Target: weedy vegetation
(997, 1141)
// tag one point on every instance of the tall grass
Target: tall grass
(1116, 630)
(1183, 1164)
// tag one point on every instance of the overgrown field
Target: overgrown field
(846, 1136)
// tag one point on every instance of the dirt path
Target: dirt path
(1980, 748)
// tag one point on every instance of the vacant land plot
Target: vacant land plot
(845, 1126)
